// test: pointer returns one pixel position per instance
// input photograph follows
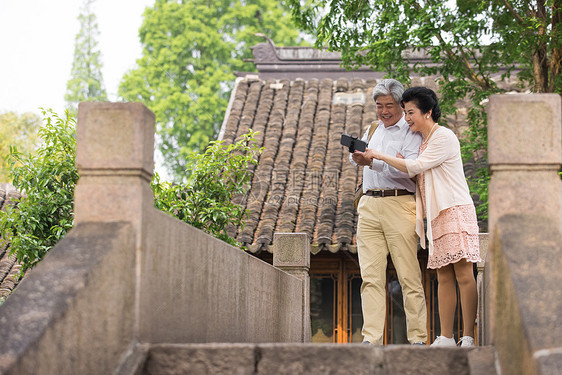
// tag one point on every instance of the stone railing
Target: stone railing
(522, 279)
(128, 276)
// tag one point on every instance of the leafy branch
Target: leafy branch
(472, 46)
(47, 179)
(43, 216)
(216, 176)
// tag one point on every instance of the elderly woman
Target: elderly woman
(442, 196)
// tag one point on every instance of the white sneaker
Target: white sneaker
(444, 341)
(466, 342)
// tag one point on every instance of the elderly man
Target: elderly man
(387, 215)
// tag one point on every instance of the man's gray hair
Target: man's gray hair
(389, 87)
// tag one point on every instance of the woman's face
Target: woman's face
(414, 117)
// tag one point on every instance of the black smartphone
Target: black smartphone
(353, 143)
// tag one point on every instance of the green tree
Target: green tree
(185, 76)
(217, 175)
(471, 44)
(86, 78)
(19, 131)
(47, 178)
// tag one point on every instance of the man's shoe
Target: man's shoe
(365, 342)
(444, 341)
(418, 343)
(466, 342)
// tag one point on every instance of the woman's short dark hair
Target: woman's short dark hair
(425, 99)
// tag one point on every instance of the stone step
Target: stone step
(309, 359)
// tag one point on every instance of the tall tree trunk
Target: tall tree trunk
(556, 42)
(540, 55)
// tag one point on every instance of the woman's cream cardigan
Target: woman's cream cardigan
(445, 183)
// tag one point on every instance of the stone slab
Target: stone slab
(482, 361)
(319, 359)
(549, 361)
(291, 250)
(408, 360)
(527, 299)
(212, 359)
(524, 192)
(78, 301)
(316, 359)
(524, 129)
(115, 136)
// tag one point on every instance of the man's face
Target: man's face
(388, 110)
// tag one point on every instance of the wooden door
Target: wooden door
(335, 300)
(336, 315)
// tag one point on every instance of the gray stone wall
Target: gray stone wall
(198, 289)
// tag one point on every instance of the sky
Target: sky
(37, 48)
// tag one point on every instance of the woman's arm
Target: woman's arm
(442, 146)
(396, 162)
(439, 149)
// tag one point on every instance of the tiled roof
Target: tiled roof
(303, 181)
(9, 267)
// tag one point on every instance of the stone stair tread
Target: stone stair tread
(312, 359)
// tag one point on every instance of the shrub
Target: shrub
(47, 179)
(216, 176)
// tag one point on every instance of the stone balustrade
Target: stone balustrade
(129, 276)
(523, 297)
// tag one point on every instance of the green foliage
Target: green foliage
(216, 176)
(191, 50)
(47, 178)
(86, 81)
(19, 131)
(521, 38)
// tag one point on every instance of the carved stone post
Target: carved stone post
(291, 253)
(523, 297)
(115, 159)
(524, 155)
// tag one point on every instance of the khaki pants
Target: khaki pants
(387, 225)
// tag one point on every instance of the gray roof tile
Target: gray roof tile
(303, 181)
(9, 266)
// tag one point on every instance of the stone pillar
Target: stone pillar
(524, 155)
(115, 160)
(114, 156)
(522, 279)
(291, 253)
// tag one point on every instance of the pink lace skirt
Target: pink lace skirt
(455, 236)
(454, 230)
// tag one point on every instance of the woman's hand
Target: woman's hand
(397, 162)
(373, 154)
(360, 158)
